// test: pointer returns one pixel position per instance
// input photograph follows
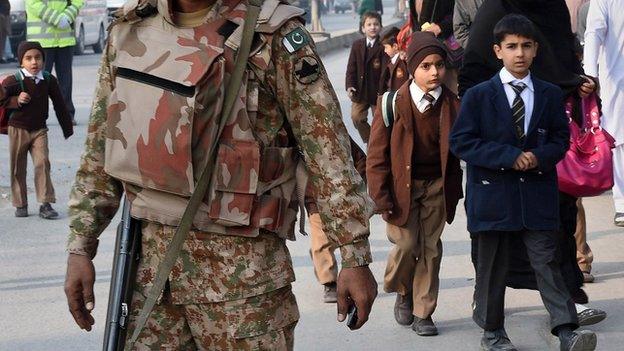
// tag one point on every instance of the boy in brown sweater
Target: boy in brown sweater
(414, 180)
(366, 61)
(27, 93)
(395, 72)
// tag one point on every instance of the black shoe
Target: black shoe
(21, 211)
(591, 316)
(424, 327)
(496, 340)
(584, 340)
(330, 295)
(47, 212)
(618, 219)
(403, 309)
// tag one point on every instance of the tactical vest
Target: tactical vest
(162, 117)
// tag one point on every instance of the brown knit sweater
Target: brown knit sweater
(426, 155)
(33, 115)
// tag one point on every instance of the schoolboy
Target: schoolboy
(366, 61)
(415, 182)
(27, 102)
(511, 132)
(395, 72)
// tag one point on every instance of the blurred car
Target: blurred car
(341, 6)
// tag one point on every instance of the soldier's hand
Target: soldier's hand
(356, 286)
(79, 282)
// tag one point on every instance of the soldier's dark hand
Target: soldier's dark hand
(356, 285)
(79, 282)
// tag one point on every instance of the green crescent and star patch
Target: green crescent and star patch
(295, 40)
(307, 70)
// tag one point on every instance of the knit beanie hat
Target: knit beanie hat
(423, 44)
(27, 45)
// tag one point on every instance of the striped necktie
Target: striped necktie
(430, 99)
(518, 110)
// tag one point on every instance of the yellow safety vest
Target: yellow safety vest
(42, 19)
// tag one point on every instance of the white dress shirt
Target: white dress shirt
(38, 77)
(527, 95)
(370, 42)
(394, 59)
(418, 96)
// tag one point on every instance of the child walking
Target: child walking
(395, 73)
(366, 61)
(511, 132)
(414, 180)
(27, 93)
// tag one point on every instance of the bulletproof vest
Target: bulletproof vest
(162, 118)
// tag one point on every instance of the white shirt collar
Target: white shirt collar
(38, 77)
(506, 77)
(370, 42)
(395, 58)
(417, 95)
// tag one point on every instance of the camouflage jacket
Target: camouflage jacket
(289, 103)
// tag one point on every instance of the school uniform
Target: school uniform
(497, 122)
(411, 173)
(394, 75)
(366, 61)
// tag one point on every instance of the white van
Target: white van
(90, 25)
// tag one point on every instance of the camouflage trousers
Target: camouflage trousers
(264, 322)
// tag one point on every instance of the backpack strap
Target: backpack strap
(388, 107)
(20, 79)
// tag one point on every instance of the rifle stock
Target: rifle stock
(125, 263)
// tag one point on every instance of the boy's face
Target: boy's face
(33, 61)
(371, 27)
(391, 50)
(430, 73)
(517, 53)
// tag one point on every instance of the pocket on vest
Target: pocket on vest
(235, 182)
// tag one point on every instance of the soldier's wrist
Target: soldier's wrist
(82, 245)
(356, 254)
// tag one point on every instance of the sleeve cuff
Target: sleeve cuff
(356, 254)
(82, 245)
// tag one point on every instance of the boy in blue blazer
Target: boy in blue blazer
(512, 131)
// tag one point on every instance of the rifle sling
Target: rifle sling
(173, 250)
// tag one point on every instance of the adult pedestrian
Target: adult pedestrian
(604, 59)
(159, 100)
(556, 62)
(5, 26)
(51, 23)
(463, 16)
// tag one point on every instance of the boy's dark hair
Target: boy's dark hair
(370, 14)
(390, 37)
(514, 24)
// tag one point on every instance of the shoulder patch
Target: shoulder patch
(307, 70)
(295, 40)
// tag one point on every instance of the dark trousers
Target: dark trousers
(492, 266)
(61, 59)
(521, 275)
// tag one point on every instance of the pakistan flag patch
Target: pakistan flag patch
(295, 40)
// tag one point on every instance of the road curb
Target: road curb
(344, 38)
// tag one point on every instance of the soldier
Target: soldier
(158, 100)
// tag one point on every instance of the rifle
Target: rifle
(125, 264)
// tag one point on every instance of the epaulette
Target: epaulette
(273, 15)
(134, 11)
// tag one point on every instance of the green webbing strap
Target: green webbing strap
(231, 93)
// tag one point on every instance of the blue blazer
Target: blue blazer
(498, 197)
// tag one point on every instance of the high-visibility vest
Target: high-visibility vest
(42, 19)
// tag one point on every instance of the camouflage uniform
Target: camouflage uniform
(158, 98)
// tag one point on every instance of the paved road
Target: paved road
(33, 314)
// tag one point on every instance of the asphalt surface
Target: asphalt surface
(34, 316)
